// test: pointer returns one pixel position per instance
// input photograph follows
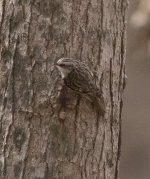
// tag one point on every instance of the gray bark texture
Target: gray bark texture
(47, 131)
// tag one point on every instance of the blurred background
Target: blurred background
(135, 158)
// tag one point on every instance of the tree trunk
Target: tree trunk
(47, 131)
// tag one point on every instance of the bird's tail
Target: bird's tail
(98, 103)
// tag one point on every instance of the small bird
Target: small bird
(78, 77)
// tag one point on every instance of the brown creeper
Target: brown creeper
(79, 78)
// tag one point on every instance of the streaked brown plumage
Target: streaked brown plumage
(78, 77)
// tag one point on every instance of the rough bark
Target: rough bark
(46, 131)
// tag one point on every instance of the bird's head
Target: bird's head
(65, 66)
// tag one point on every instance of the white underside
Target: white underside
(63, 72)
